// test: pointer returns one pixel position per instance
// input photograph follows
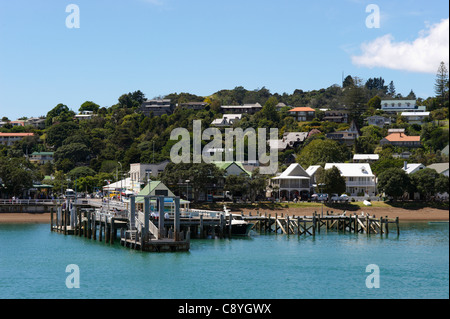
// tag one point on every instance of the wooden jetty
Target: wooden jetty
(137, 230)
(310, 225)
(161, 231)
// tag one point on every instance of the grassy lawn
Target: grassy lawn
(343, 206)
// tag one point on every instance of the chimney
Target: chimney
(405, 165)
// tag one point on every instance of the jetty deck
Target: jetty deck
(172, 232)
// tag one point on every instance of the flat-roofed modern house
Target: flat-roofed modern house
(396, 106)
(240, 109)
(303, 114)
(41, 157)
(365, 158)
(157, 107)
(196, 106)
(8, 139)
(85, 115)
(400, 139)
(142, 173)
(359, 179)
(294, 182)
(378, 120)
(336, 116)
(415, 117)
(226, 120)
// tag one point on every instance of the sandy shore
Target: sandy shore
(423, 214)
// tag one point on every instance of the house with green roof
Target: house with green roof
(41, 157)
(232, 168)
(157, 188)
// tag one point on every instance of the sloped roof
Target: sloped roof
(439, 167)
(352, 169)
(294, 171)
(302, 109)
(413, 167)
(225, 165)
(401, 137)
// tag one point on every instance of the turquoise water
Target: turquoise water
(33, 264)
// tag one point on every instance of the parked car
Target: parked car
(337, 198)
(319, 197)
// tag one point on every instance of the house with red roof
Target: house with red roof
(303, 114)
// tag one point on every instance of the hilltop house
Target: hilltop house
(411, 168)
(336, 116)
(289, 140)
(41, 157)
(415, 117)
(196, 106)
(226, 120)
(303, 114)
(397, 137)
(9, 139)
(347, 137)
(378, 120)
(365, 158)
(157, 107)
(246, 108)
(359, 179)
(397, 106)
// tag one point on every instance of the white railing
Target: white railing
(28, 201)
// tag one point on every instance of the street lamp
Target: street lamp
(187, 189)
(321, 185)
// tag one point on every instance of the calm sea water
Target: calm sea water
(33, 264)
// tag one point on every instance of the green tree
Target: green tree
(17, 175)
(441, 84)
(424, 182)
(319, 152)
(393, 182)
(332, 181)
(89, 106)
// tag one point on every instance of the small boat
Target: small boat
(239, 226)
(367, 203)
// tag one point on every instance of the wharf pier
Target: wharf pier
(312, 225)
(156, 230)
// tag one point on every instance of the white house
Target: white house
(415, 117)
(411, 168)
(365, 158)
(226, 120)
(396, 106)
(359, 178)
(293, 182)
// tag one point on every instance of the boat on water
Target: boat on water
(239, 226)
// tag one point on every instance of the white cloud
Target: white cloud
(422, 55)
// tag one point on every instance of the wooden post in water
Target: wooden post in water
(222, 226)
(201, 227)
(177, 219)
(145, 232)
(111, 236)
(229, 228)
(386, 225)
(51, 219)
(398, 226)
(161, 226)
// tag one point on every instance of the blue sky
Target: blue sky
(202, 46)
